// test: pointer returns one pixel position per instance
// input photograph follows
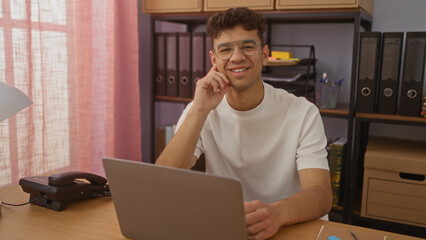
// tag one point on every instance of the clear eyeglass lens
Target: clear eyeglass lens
(225, 51)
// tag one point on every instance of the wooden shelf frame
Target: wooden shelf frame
(361, 129)
(341, 111)
(173, 99)
(392, 119)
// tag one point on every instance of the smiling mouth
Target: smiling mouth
(238, 70)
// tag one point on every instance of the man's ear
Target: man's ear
(212, 57)
(265, 54)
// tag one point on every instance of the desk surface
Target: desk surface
(96, 219)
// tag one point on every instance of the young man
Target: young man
(270, 140)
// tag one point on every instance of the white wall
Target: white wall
(333, 48)
(399, 15)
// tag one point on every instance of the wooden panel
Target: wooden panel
(367, 5)
(166, 6)
(220, 5)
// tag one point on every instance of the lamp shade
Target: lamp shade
(12, 100)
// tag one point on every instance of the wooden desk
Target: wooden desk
(96, 219)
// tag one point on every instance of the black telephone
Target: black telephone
(54, 192)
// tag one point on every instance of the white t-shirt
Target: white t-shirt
(266, 146)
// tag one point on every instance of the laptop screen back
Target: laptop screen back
(155, 202)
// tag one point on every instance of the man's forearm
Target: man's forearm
(180, 150)
(264, 220)
(308, 204)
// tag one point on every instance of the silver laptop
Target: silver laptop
(155, 202)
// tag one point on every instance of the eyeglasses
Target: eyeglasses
(224, 51)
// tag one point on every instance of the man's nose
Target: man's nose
(237, 55)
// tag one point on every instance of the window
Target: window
(33, 54)
(78, 62)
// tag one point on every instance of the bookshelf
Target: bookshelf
(361, 128)
(345, 111)
(296, 77)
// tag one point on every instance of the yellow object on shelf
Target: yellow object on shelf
(281, 55)
(285, 62)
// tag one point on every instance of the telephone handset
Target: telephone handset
(67, 178)
(57, 190)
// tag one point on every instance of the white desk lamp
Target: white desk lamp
(12, 100)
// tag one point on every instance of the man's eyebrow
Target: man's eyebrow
(226, 44)
(245, 41)
(248, 41)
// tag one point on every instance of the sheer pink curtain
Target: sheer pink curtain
(78, 62)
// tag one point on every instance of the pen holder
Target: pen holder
(329, 93)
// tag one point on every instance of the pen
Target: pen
(353, 235)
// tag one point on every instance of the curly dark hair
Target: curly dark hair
(242, 16)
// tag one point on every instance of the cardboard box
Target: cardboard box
(367, 5)
(170, 6)
(394, 186)
(222, 5)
